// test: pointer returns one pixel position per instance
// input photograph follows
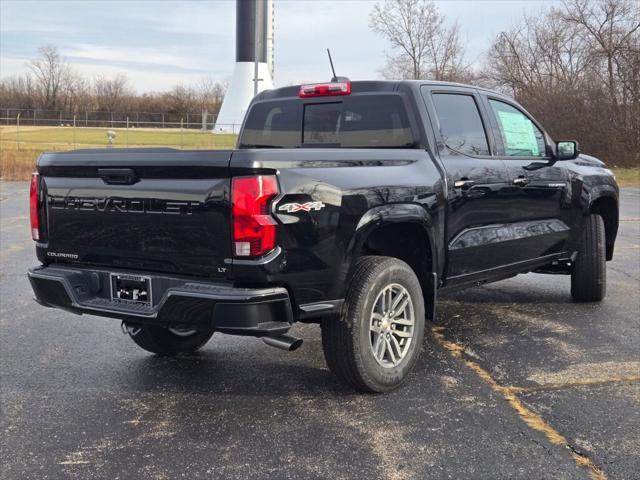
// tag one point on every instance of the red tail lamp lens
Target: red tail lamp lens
(254, 229)
(34, 204)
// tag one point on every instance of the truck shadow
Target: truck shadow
(252, 369)
(243, 366)
(524, 289)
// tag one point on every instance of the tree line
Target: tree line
(51, 84)
(575, 67)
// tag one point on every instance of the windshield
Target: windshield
(358, 121)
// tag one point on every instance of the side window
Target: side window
(460, 123)
(520, 135)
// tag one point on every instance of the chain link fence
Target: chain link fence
(54, 130)
(99, 119)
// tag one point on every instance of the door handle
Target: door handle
(521, 181)
(464, 183)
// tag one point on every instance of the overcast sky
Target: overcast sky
(161, 43)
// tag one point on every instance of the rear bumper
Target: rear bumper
(178, 301)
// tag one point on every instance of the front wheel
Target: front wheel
(376, 342)
(168, 341)
(589, 272)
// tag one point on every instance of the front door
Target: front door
(476, 180)
(539, 194)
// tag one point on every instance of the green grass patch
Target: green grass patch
(83, 137)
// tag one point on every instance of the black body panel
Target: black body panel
(180, 301)
(173, 217)
(318, 247)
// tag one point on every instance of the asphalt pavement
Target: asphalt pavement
(515, 381)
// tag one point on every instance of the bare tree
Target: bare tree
(76, 93)
(423, 46)
(210, 94)
(18, 92)
(111, 93)
(50, 72)
(577, 68)
(541, 52)
(182, 98)
(447, 54)
(613, 28)
(70, 93)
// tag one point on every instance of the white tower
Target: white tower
(254, 45)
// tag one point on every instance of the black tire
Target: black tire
(589, 272)
(347, 340)
(163, 341)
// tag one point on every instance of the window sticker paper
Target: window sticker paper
(518, 134)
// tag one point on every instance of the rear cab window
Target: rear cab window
(357, 121)
(274, 124)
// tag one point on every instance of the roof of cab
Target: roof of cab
(360, 86)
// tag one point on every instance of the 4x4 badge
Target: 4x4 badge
(301, 207)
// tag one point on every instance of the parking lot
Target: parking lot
(515, 381)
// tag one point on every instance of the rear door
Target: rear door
(476, 182)
(539, 193)
(164, 211)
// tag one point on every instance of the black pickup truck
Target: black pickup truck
(348, 204)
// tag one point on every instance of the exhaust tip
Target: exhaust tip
(297, 343)
(283, 342)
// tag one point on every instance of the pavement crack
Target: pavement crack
(531, 418)
(580, 383)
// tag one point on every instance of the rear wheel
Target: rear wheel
(168, 341)
(589, 273)
(376, 342)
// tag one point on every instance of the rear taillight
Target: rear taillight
(333, 89)
(34, 206)
(254, 229)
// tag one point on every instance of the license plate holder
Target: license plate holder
(132, 289)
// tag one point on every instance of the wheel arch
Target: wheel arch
(404, 231)
(607, 207)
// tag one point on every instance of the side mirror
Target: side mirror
(567, 150)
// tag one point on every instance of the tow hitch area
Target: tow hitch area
(134, 289)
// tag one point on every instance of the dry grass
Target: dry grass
(627, 176)
(17, 164)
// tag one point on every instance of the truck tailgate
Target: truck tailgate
(154, 210)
